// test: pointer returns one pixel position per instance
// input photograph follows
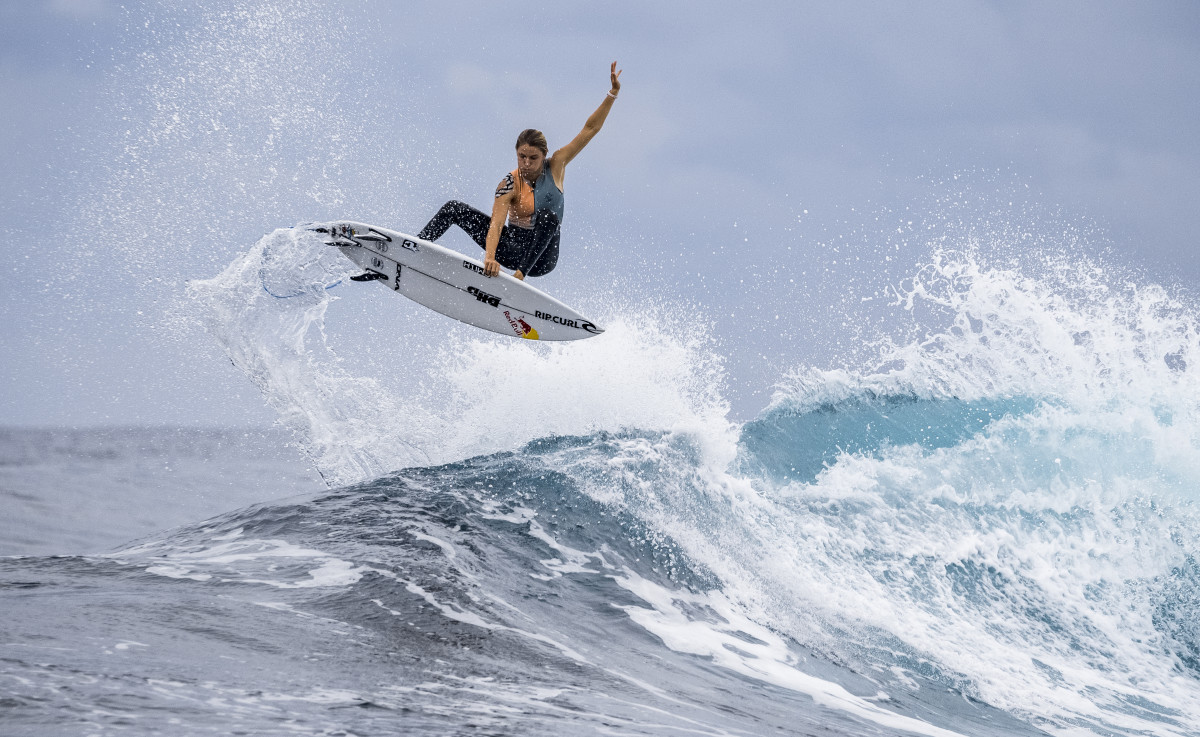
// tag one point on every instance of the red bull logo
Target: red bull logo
(520, 327)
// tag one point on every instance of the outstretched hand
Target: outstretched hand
(616, 83)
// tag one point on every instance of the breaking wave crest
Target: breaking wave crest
(467, 396)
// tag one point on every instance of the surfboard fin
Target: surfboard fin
(369, 276)
(373, 235)
(338, 236)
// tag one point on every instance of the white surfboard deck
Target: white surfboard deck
(453, 284)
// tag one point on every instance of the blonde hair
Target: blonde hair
(535, 138)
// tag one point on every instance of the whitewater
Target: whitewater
(984, 524)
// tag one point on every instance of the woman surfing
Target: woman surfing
(523, 231)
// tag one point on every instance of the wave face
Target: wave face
(989, 527)
(516, 593)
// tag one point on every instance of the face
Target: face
(529, 161)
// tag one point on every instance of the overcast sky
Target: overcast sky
(760, 159)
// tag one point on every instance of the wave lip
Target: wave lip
(795, 439)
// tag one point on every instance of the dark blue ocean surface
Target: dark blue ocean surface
(490, 596)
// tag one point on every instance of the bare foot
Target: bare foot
(518, 275)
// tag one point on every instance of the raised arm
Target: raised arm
(594, 123)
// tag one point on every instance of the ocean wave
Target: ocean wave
(997, 499)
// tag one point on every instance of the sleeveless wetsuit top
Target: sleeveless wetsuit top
(544, 195)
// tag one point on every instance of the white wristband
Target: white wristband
(610, 94)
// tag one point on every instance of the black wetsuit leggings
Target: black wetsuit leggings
(533, 251)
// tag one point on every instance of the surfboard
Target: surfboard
(453, 284)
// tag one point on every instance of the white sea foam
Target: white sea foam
(276, 563)
(477, 394)
(735, 642)
(1071, 331)
(1027, 559)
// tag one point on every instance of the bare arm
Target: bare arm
(562, 157)
(505, 192)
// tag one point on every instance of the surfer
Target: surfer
(529, 198)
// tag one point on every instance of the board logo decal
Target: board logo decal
(472, 267)
(409, 245)
(520, 327)
(483, 296)
(568, 322)
(528, 331)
